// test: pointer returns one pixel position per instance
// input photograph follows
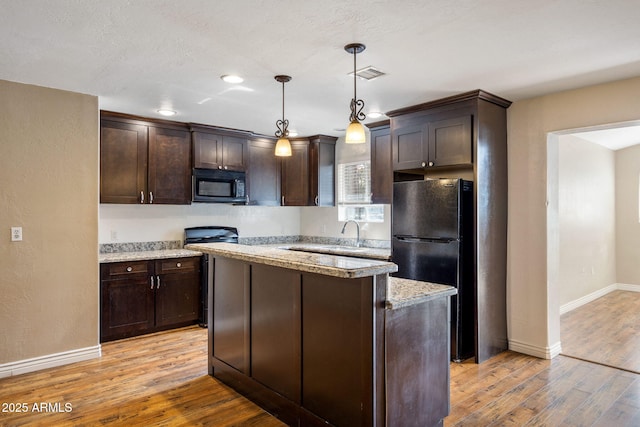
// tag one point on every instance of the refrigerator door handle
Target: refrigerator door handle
(424, 240)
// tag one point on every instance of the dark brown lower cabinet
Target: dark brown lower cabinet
(316, 350)
(140, 297)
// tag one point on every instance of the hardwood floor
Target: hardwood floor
(605, 331)
(154, 380)
(161, 380)
(513, 389)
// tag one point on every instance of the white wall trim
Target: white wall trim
(536, 351)
(565, 308)
(49, 361)
(627, 287)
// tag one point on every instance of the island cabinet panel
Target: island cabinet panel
(415, 343)
(337, 349)
(275, 329)
(231, 302)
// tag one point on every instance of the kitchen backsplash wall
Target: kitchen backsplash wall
(149, 223)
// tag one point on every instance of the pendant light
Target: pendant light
(283, 146)
(355, 131)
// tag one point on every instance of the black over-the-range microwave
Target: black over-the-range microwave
(219, 186)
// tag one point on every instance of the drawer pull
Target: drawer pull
(178, 265)
(158, 277)
(129, 269)
(151, 282)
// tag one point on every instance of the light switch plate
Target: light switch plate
(16, 234)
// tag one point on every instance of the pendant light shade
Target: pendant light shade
(283, 146)
(355, 131)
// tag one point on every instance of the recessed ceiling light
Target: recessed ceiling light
(230, 78)
(374, 114)
(166, 112)
(293, 132)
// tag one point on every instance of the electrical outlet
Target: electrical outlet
(114, 235)
(16, 234)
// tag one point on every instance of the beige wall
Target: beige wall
(533, 302)
(49, 187)
(586, 218)
(627, 215)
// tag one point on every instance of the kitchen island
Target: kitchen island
(317, 338)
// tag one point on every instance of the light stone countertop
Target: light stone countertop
(361, 252)
(329, 265)
(146, 255)
(406, 292)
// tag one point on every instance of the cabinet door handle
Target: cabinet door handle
(219, 166)
(151, 282)
(430, 163)
(129, 269)
(150, 196)
(282, 200)
(142, 197)
(316, 200)
(424, 164)
(225, 168)
(178, 264)
(158, 277)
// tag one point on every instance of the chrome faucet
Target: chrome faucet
(357, 231)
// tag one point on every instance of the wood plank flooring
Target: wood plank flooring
(161, 380)
(154, 380)
(605, 331)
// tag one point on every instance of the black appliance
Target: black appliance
(219, 186)
(208, 234)
(432, 241)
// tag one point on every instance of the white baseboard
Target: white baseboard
(565, 308)
(531, 350)
(49, 361)
(627, 287)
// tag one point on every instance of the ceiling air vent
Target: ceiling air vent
(368, 73)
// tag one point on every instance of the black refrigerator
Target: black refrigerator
(432, 241)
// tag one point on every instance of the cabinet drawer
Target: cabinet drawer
(177, 265)
(123, 269)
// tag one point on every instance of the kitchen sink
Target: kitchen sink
(342, 248)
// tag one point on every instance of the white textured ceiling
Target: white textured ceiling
(138, 56)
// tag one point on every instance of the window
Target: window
(354, 193)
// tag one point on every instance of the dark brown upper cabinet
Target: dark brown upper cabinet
(214, 149)
(429, 141)
(322, 160)
(308, 176)
(381, 163)
(295, 175)
(144, 162)
(263, 176)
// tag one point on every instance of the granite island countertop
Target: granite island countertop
(309, 262)
(400, 292)
(146, 255)
(406, 292)
(329, 249)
